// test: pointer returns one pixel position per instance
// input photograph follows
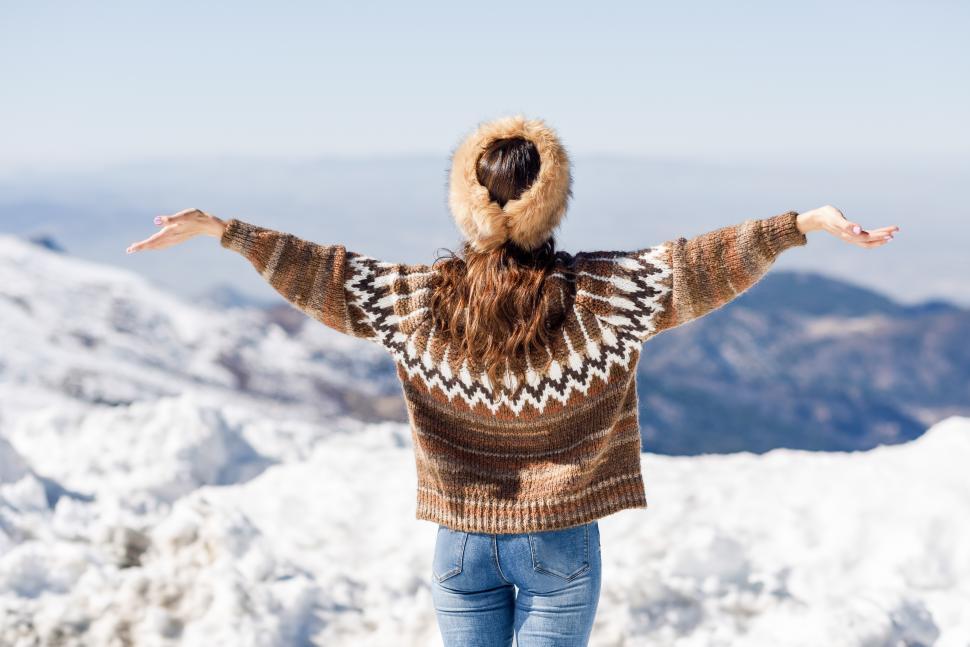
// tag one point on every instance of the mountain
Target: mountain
(78, 333)
(223, 295)
(812, 294)
(47, 241)
(805, 362)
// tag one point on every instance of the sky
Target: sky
(100, 82)
(335, 121)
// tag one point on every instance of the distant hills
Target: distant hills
(807, 362)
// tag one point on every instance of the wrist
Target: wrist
(215, 227)
(806, 221)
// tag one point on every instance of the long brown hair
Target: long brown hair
(493, 303)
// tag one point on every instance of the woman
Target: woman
(517, 363)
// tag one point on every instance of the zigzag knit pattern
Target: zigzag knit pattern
(562, 447)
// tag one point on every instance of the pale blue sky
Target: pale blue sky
(111, 113)
(89, 82)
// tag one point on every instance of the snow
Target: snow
(786, 548)
(199, 516)
(73, 331)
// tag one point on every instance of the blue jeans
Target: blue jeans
(475, 576)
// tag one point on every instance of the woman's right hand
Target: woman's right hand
(179, 228)
(830, 219)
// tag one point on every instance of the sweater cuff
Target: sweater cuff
(781, 232)
(237, 236)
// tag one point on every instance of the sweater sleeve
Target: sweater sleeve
(646, 291)
(349, 292)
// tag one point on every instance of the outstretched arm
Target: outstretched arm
(649, 290)
(349, 292)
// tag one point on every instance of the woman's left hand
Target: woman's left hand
(830, 219)
(179, 228)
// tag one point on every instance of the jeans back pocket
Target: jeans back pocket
(563, 553)
(449, 553)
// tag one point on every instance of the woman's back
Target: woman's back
(557, 442)
(562, 447)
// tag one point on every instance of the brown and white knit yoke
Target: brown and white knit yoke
(563, 448)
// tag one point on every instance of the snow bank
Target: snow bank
(798, 548)
(787, 548)
(12, 465)
(145, 454)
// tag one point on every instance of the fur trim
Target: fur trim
(528, 221)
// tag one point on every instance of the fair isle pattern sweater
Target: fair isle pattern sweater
(563, 447)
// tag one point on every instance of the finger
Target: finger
(875, 242)
(873, 236)
(851, 227)
(868, 234)
(149, 243)
(861, 237)
(882, 231)
(850, 230)
(174, 218)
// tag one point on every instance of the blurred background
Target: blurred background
(187, 459)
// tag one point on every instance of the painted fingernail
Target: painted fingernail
(158, 220)
(856, 229)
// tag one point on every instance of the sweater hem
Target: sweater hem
(533, 517)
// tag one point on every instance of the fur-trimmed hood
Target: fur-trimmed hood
(529, 220)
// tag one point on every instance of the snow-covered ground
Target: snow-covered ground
(210, 531)
(193, 516)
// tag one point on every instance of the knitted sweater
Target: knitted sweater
(563, 448)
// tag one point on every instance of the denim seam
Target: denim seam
(586, 563)
(456, 570)
(495, 555)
